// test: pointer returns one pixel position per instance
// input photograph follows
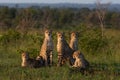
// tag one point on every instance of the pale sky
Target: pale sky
(57, 1)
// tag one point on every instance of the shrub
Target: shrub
(33, 52)
(91, 41)
(10, 36)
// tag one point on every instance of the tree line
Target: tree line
(27, 18)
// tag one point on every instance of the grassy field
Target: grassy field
(105, 65)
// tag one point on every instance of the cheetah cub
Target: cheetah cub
(47, 48)
(29, 62)
(74, 41)
(80, 60)
(63, 49)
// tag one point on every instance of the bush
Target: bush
(91, 41)
(10, 36)
(33, 52)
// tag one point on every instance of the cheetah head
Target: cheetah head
(48, 33)
(74, 35)
(60, 36)
(76, 54)
(25, 56)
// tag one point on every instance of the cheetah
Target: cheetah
(47, 48)
(63, 50)
(80, 60)
(29, 62)
(74, 41)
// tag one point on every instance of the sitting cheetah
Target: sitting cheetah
(63, 49)
(29, 62)
(80, 60)
(74, 41)
(47, 48)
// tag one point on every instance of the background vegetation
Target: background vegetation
(34, 17)
(22, 29)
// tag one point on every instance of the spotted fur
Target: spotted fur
(74, 41)
(47, 48)
(80, 60)
(63, 49)
(29, 62)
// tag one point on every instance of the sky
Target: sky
(57, 1)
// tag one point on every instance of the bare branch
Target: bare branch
(101, 12)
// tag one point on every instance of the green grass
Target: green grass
(104, 66)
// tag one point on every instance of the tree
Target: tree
(27, 19)
(46, 20)
(101, 12)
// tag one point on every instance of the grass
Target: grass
(104, 66)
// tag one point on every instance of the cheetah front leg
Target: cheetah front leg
(59, 60)
(46, 60)
(75, 64)
(51, 58)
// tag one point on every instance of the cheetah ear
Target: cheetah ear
(78, 33)
(51, 31)
(63, 33)
(57, 33)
